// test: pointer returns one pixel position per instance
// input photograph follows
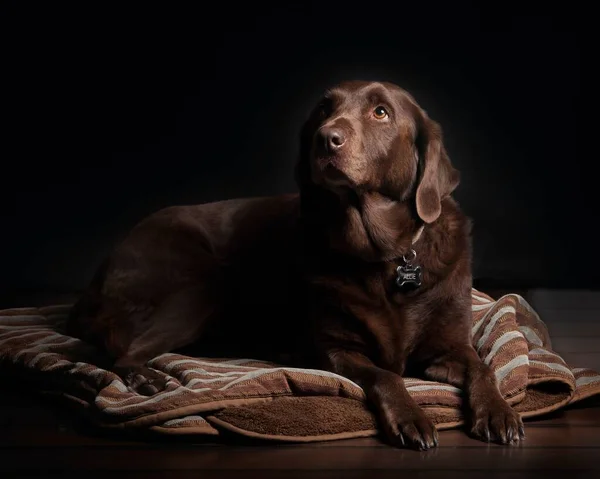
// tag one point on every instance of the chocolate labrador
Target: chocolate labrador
(366, 272)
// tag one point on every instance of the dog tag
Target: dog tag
(409, 276)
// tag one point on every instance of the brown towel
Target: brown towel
(264, 400)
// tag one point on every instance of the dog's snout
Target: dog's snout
(333, 138)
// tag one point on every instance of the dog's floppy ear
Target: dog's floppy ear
(302, 175)
(302, 167)
(439, 178)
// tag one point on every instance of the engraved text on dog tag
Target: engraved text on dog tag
(409, 276)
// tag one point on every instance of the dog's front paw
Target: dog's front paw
(410, 427)
(497, 422)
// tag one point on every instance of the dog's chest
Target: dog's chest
(392, 317)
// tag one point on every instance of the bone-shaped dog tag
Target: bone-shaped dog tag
(408, 276)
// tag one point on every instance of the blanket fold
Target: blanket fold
(257, 399)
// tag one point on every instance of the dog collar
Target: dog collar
(418, 234)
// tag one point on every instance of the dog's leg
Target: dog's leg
(403, 421)
(492, 418)
(177, 322)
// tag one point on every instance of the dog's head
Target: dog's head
(374, 137)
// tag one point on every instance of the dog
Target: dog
(368, 266)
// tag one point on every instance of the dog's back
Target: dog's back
(222, 272)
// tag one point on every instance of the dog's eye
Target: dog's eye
(324, 107)
(380, 113)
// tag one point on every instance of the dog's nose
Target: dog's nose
(333, 138)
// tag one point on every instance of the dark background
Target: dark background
(112, 112)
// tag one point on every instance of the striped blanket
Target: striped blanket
(263, 400)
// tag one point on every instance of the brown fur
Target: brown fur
(312, 275)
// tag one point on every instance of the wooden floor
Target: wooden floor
(38, 439)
